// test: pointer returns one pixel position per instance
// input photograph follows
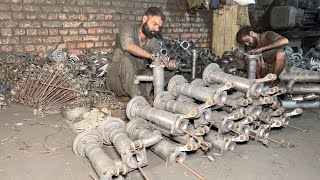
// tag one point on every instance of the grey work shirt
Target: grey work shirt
(128, 34)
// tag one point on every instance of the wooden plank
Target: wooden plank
(234, 28)
(220, 31)
(229, 23)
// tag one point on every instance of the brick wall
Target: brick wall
(44, 25)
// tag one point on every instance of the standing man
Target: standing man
(135, 49)
(270, 44)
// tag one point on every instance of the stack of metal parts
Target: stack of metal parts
(50, 83)
(302, 79)
(189, 59)
(212, 113)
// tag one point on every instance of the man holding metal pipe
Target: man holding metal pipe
(270, 44)
(136, 47)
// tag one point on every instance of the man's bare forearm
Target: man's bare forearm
(277, 43)
(138, 51)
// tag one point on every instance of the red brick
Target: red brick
(19, 32)
(9, 40)
(91, 24)
(82, 31)
(83, 17)
(71, 46)
(63, 31)
(91, 38)
(6, 32)
(100, 30)
(107, 24)
(73, 31)
(51, 47)
(31, 32)
(108, 17)
(30, 48)
(108, 30)
(52, 24)
(71, 24)
(31, 16)
(43, 31)
(5, 15)
(108, 37)
(81, 45)
(18, 15)
(53, 32)
(53, 16)
(52, 39)
(31, 40)
(16, 7)
(71, 38)
(6, 48)
(41, 48)
(98, 44)
(89, 45)
(92, 31)
(62, 46)
(29, 24)
(62, 16)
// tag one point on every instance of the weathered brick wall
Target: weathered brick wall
(44, 25)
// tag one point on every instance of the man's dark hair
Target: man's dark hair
(245, 31)
(154, 11)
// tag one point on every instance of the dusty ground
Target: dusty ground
(27, 152)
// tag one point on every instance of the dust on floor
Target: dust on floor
(33, 148)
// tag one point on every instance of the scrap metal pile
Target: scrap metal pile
(212, 113)
(190, 61)
(58, 81)
(302, 79)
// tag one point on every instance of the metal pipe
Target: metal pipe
(300, 75)
(158, 75)
(140, 78)
(178, 85)
(305, 89)
(220, 142)
(252, 66)
(113, 132)
(165, 101)
(220, 120)
(195, 55)
(290, 104)
(89, 143)
(139, 129)
(139, 107)
(213, 73)
(169, 151)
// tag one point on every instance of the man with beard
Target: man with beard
(135, 49)
(270, 44)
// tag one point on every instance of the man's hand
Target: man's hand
(171, 65)
(255, 51)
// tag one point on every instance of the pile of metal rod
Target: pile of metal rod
(50, 83)
(212, 114)
(46, 89)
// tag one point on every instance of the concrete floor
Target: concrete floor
(26, 141)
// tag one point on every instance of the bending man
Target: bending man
(135, 48)
(270, 44)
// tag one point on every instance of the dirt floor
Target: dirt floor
(33, 148)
